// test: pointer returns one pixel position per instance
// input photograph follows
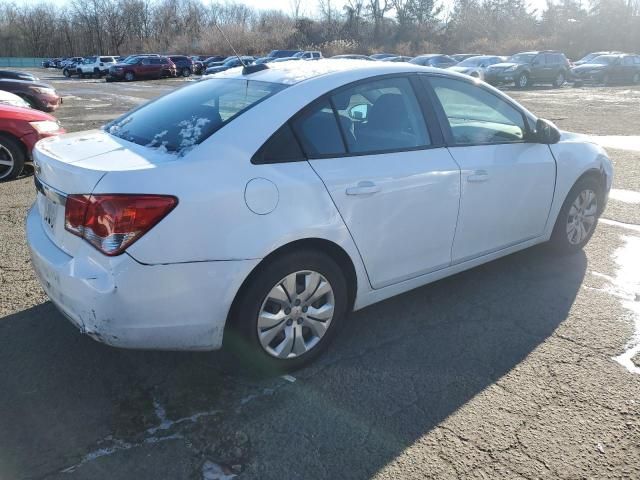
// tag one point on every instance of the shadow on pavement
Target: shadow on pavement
(395, 372)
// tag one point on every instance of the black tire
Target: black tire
(186, 72)
(11, 150)
(129, 76)
(523, 81)
(66, 72)
(242, 335)
(560, 237)
(96, 73)
(560, 79)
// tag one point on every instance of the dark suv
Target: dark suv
(184, 64)
(525, 69)
(607, 69)
(142, 67)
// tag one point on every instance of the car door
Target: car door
(393, 182)
(539, 69)
(507, 183)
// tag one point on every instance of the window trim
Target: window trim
(444, 121)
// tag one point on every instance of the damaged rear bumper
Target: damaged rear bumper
(123, 303)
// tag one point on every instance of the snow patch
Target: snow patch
(625, 196)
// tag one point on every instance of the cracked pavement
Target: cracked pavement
(503, 371)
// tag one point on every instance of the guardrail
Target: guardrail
(20, 62)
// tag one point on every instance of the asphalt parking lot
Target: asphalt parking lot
(527, 367)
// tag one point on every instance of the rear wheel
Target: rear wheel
(289, 312)
(12, 158)
(578, 217)
(559, 80)
(66, 72)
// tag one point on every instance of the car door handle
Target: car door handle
(478, 176)
(364, 188)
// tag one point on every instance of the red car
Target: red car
(39, 95)
(20, 129)
(142, 67)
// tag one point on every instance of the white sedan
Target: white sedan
(279, 198)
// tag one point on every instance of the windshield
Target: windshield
(603, 60)
(522, 58)
(588, 57)
(205, 107)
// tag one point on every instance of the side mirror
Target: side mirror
(546, 132)
(359, 112)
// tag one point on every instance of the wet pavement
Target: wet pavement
(526, 367)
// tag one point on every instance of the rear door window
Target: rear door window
(381, 115)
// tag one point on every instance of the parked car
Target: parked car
(399, 58)
(590, 56)
(352, 56)
(215, 59)
(476, 66)
(20, 129)
(607, 69)
(41, 96)
(47, 63)
(261, 60)
(527, 68)
(436, 60)
(72, 69)
(286, 59)
(15, 75)
(459, 57)
(71, 60)
(230, 63)
(95, 66)
(380, 56)
(282, 53)
(308, 171)
(13, 100)
(142, 67)
(308, 55)
(184, 64)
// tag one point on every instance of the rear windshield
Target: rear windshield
(603, 60)
(182, 119)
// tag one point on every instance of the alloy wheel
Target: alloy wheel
(582, 216)
(295, 314)
(523, 81)
(6, 162)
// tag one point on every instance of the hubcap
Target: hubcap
(6, 162)
(582, 217)
(296, 314)
(523, 81)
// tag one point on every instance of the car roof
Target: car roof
(291, 73)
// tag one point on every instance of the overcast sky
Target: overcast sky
(310, 7)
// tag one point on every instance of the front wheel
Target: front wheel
(66, 72)
(559, 80)
(129, 76)
(289, 311)
(523, 80)
(186, 72)
(578, 217)
(12, 158)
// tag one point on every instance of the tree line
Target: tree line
(408, 27)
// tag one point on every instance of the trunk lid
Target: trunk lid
(74, 164)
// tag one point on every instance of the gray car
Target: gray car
(527, 68)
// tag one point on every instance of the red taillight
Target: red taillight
(111, 223)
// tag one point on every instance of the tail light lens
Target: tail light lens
(111, 223)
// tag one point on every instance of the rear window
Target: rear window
(182, 119)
